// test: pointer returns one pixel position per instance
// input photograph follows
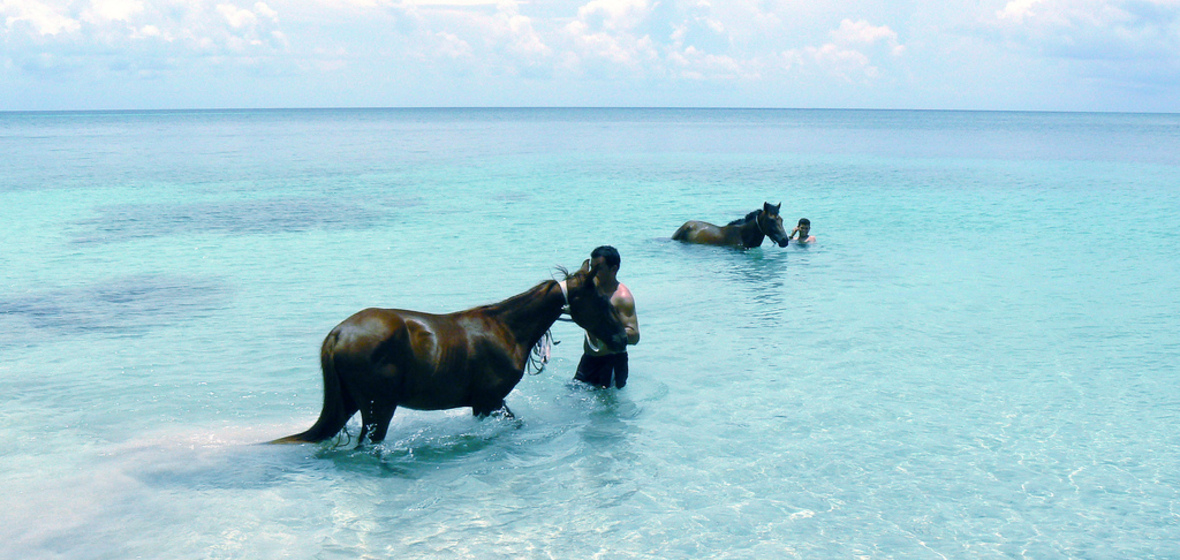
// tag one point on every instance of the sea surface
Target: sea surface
(978, 358)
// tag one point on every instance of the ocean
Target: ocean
(976, 359)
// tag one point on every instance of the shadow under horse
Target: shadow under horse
(380, 359)
(746, 233)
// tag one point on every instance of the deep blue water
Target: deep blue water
(976, 360)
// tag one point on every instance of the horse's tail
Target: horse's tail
(335, 413)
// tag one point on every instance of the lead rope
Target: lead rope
(539, 356)
(543, 349)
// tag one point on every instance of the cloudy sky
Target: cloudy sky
(1066, 55)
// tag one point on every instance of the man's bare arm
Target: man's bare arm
(626, 309)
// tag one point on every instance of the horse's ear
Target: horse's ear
(591, 271)
(766, 207)
(585, 266)
(780, 205)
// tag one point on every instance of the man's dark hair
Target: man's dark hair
(607, 252)
(804, 222)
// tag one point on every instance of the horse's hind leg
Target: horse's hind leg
(483, 411)
(375, 420)
(507, 411)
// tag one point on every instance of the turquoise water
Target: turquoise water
(978, 359)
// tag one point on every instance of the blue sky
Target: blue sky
(1060, 55)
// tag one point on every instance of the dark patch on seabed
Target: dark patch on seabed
(130, 305)
(125, 222)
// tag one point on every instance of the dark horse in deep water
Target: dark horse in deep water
(745, 232)
(380, 359)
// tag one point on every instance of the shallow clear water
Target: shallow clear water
(976, 360)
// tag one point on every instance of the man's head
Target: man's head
(609, 256)
(804, 225)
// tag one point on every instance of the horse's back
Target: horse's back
(427, 356)
(696, 231)
(380, 335)
(365, 329)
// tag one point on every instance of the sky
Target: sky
(1037, 55)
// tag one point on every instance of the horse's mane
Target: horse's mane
(741, 221)
(512, 300)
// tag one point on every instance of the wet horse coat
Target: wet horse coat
(746, 233)
(380, 359)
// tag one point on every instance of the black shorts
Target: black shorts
(598, 370)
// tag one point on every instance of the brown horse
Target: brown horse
(745, 232)
(380, 359)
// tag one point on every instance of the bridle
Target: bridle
(566, 294)
(541, 352)
(758, 222)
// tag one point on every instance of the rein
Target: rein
(543, 349)
(589, 339)
(539, 356)
(759, 223)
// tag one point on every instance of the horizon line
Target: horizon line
(569, 107)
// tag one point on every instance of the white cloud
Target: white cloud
(863, 32)
(649, 45)
(848, 65)
(520, 35)
(149, 31)
(1094, 29)
(454, 2)
(451, 46)
(44, 19)
(614, 15)
(112, 10)
(1017, 10)
(264, 10)
(601, 45)
(849, 57)
(603, 39)
(697, 65)
(235, 16)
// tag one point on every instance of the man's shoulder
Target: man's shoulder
(622, 299)
(623, 292)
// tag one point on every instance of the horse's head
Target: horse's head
(593, 311)
(771, 224)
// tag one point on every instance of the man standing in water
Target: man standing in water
(803, 231)
(599, 364)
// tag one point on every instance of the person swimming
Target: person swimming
(803, 231)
